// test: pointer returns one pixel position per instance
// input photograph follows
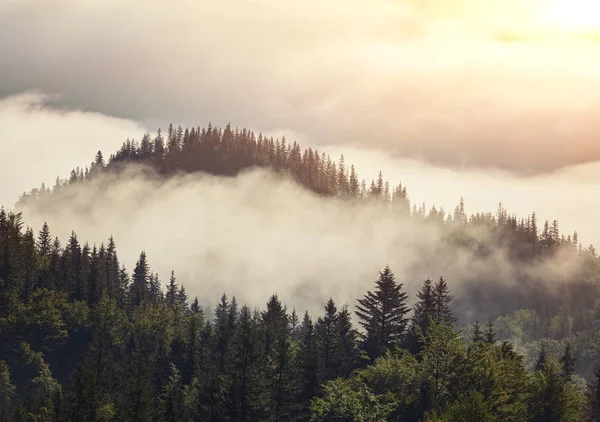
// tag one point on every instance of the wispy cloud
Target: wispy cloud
(39, 143)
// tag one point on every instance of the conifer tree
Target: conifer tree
(173, 397)
(441, 299)
(383, 314)
(593, 396)
(172, 290)
(195, 307)
(308, 362)
(567, 361)
(541, 358)
(477, 334)
(490, 333)
(182, 298)
(327, 340)
(278, 352)
(246, 398)
(44, 241)
(347, 344)
(7, 391)
(424, 313)
(140, 286)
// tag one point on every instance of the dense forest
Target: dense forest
(85, 340)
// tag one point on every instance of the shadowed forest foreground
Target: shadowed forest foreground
(85, 340)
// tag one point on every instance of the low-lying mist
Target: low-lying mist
(260, 233)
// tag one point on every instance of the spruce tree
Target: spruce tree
(281, 366)
(172, 290)
(541, 359)
(347, 353)
(44, 240)
(424, 311)
(490, 333)
(593, 396)
(441, 299)
(327, 340)
(7, 391)
(567, 361)
(140, 286)
(383, 314)
(477, 334)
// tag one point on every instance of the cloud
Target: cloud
(454, 83)
(40, 143)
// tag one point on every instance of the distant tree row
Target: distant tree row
(226, 152)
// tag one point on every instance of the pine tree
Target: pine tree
(593, 396)
(7, 391)
(424, 313)
(383, 314)
(347, 344)
(182, 298)
(477, 334)
(295, 324)
(441, 299)
(490, 333)
(44, 241)
(173, 397)
(541, 359)
(155, 294)
(246, 398)
(278, 352)
(327, 340)
(172, 290)
(140, 286)
(567, 361)
(195, 307)
(309, 381)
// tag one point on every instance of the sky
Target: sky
(451, 82)
(492, 101)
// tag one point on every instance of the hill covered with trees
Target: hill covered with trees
(86, 340)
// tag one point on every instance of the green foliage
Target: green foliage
(444, 366)
(553, 398)
(347, 401)
(471, 409)
(7, 391)
(383, 314)
(395, 377)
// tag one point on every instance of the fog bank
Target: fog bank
(258, 234)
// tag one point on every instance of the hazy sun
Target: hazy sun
(575, 15)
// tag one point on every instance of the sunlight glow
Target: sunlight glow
(575, 15)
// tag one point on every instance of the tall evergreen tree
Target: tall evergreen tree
(441, 303)
(424, 313)
(593, 396)
(490, 333)
(383, 314)
(541, 359)
(567, 361)
(140, 286)
(7, 392)
(328, 340)
(172, 290)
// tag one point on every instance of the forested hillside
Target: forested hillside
(84, 339)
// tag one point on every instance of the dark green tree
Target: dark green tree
(382, 314)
